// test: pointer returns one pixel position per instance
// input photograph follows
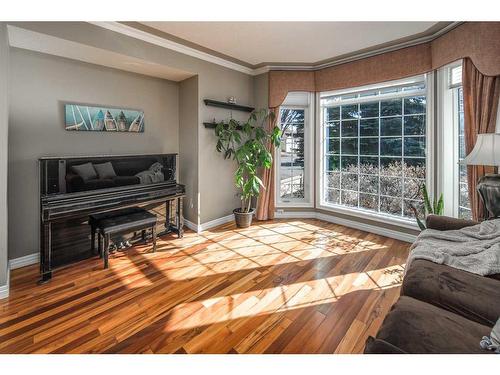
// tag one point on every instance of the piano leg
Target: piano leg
(168, 222)
(45, 255)
(180, 218)
(106, 250)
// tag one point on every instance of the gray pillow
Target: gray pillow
(105, 170)
(85, 171)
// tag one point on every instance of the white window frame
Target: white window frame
(401, 222)
(448, 168)
(295, 100)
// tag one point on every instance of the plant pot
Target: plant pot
(243, 219)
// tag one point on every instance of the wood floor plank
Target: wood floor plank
(281, 286)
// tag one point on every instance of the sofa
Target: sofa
(441, 309)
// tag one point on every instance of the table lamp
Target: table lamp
(487, 152)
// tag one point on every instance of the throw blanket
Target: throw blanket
(152, 175)
(474, 249)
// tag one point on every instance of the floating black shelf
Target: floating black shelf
(212, 125)
(236, 107)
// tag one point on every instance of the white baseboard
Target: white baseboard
(191, 225)
(4, 289)
(24, 261)
(216, 222)
(280, 214)
(208, 224)
(406, 237)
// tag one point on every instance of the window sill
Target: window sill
(403, 223)
(294, 205)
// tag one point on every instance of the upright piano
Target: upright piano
(70, 191)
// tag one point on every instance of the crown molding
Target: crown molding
(257, 70)
(162, 42)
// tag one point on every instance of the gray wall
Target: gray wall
(217, 189)
(214, 82)
(4, 126)
(188, 146)
(261, 90)
(40, 84)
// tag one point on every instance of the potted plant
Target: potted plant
(248, 145)
(434, 208)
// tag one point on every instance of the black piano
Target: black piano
(71, 188)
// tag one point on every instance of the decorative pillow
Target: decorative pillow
(85, 171)
(105, 170)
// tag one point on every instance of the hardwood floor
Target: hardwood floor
(283, 286)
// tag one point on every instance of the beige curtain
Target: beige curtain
(265, 201)
(481, 94)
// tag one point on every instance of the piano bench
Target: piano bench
(128, 220)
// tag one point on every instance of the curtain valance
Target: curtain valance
(480, 41)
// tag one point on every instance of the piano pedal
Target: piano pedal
(112, 248)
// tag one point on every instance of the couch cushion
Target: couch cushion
(85, 171)
(105, 170)
(418, 327)
(377, 346)
(472, 296)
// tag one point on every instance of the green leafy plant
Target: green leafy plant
(248, 144)
(436, 207)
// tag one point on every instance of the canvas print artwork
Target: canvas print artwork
(89, 118)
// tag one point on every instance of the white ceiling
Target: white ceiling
(256, 43)
(26, 39)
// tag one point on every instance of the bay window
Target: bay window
(294, 174)
(453, 175)
(373, 148)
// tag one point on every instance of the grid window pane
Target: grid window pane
(392, 186)
(349, 146)
(391, 126)
(333, 129)
(414, 168)
(464, 213)
(368, 146)
(414, 125)
(369, 109)
(350, 112)
(332, 163)
(333, 146)
(368, 127)
(414, 105)
(392, 107)
(368, 184)
(391, 166)
(368, 201)
(382, 149)
(349, 128)
(349, 181)
(391, 206)
(332, 113)
(409, 207)
(332, 196)
(464, 210)
(413, 188)
(368, 165)
(415, 146)
(390, 146)
(332, 180)
(350, 164)
(349, 198)
(291, 172)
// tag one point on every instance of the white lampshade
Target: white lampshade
(486, 151)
